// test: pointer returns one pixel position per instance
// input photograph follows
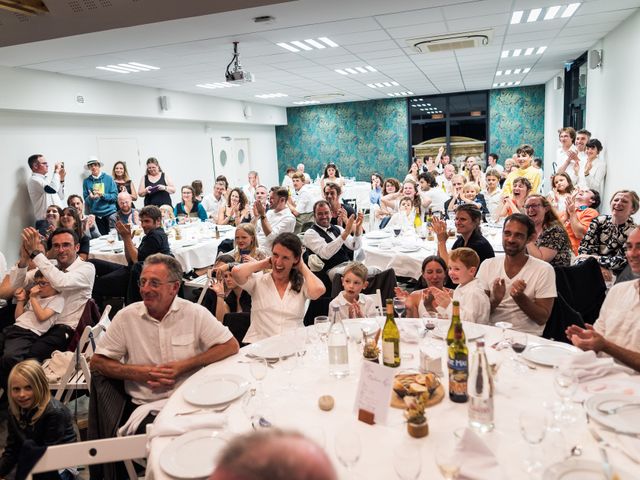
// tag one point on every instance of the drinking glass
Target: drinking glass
(396, 231)
(348, 447)
(533, 428)
(518, 342)
(407, 461)
(258, 370)
(503, 343)
(565, 383)
(322, 325)
(288, 361)
(399, 306)
(448, 459)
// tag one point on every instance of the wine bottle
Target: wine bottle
(458, 361)
(480, 391)
(390, 339)
(455, 320)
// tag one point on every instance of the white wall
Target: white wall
(38, 115)
(553, 113)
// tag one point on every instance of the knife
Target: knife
(606, 466)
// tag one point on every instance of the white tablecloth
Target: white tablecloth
(197, 248)
(394, 253)
(515, 392)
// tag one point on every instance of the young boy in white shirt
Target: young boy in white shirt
(475, 306)
(350, 302)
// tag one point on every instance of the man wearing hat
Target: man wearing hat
(100, 195)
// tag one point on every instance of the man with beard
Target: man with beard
(522, 288)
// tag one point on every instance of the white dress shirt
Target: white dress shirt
(475, 306)
(211, 205)
(74, 284)
(280, 222)
(618, 320)
(40, 198)
(303, 199)
(314, 242)
(136, 338)
(367, 306)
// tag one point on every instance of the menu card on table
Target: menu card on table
(374, 392)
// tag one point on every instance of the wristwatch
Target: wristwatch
(34, 254)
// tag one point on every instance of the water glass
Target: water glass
(258, 369)
(407, 461)
(565, 383)
(348, 447)
(322, 326)
(448, 459)
(399, 306)
(533, 428)
(503, 343)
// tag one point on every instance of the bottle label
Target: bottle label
(481, 410)
(458, 375)
(388, 353)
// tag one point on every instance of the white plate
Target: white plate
(224, 228)
(215, 389)
(624, 421)
(471, 330)
(378, 234)
(355, 326)
(578, 469)
(549, 355)
(193, 454)
(408, 249)
(272, 348)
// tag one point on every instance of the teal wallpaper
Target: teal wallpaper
(359, 137)
(516, 117)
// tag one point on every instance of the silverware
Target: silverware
(526, 364)
(614, 410)
(203, 410)
(606, 466)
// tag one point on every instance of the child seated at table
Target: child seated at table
(350, 302)
(36, 312)
(474, 301)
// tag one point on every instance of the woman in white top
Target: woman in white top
(331, 174)
(404, 217)
(278, 297)
(493, 194)
(591, 177)
(413, 172)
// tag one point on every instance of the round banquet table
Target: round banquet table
(197, 248)
(406, 253)
(516, 391)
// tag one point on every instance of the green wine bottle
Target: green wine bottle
(390, 339)
(458, 361)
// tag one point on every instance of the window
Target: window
(575, 93)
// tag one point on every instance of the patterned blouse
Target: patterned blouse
(607, 240)
(555, 237)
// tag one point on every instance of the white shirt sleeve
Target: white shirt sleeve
(313, 241)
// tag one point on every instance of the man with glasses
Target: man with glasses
(43, 191)
(71, 276)
(154, 345)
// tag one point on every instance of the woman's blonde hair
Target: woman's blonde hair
(32, 373)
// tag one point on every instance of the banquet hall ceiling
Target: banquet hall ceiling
(190, 42)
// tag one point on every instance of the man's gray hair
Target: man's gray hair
(173, 266)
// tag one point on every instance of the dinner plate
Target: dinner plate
(354, 327)
(215, 389)
(578, 469)
(378, 234)
(549, 355)
(272, 348)
(624, 421)
(408, 249)
(193, 454)
(471, 330)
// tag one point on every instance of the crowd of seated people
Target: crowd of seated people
(265, 275)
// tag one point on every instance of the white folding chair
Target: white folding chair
(77, 375)
(377, 299)
(92, 452)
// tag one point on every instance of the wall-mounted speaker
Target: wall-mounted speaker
(595, 59)
(558, 83)
(164, 103)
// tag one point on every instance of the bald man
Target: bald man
(273, 455)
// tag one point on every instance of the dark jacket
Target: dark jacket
(54, 427)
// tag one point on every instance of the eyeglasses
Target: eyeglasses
(42, 284)
(527, 207)
(143, 282)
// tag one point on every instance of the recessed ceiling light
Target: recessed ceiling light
(570, 10)
(526, 70)
(495, 85)
(528, 51)
(288, 47)
(498, 73)
(130, 67)
(315, 43)
(534, 14)
(516, 17)
(352, 71)
(540, 50)
(517, 52)
(399, 94)
(355, 70)
(507, 72)
(271, 95)
(329, 42)
(552, 12)
(509, 84)
(301, 45)
(217, 85)
(341, 72)
(307, 102)
(517, 82)
(308, 44)
(505, 53)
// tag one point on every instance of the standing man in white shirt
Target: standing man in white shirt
(250, 188)
(42, 191)
(576, 157)
(301, 201)
(279, 219)
(212, 202)
(492, 163)
(522, 288)
(300, 168)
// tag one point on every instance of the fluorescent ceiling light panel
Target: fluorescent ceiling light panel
(301, 45)
(315, 43)
(351, 71)
(307, 102)
(540, 50)
(329, 42)
(528, 51)
(570, 10)
(505, 54)
(217, 85)
(507, 72)
(552, 12)
(534, 14)
(130, 67)
(150, 67)
(271, 95)
(341, 72)
(516, 71)
(108, 69)
(355, 70)
(516, 17)
(517, 52)
(288, 47)
(517, 83)
(498, 73)
(370, 68)
(526, 70)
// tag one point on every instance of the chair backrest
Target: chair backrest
(384, 282)
(582, 287)
(92, 452)
(561, 317)
(377, 299)
(90, 316)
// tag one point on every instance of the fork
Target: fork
(203, 410)
(614, 410)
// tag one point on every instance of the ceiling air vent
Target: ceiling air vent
(451, 41)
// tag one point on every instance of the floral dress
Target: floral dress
(556, 238)
(606, 239)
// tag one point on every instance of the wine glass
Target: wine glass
(322, 326)
(533, 428)
(565, 382)
(518, 342)
(258, 369)
(503, 343)
(396, 231)
(448, 459)
(407, 461)
(348, 447)
(399, 306)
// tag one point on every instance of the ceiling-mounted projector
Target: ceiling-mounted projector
(234, 72)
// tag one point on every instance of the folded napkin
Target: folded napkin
(588, 366)
(138, 415)
(479, 462)
(171, 425)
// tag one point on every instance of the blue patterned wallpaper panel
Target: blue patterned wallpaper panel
(359, 137)
(516, 117)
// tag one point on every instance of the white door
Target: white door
(243, 159)
(222, 148)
